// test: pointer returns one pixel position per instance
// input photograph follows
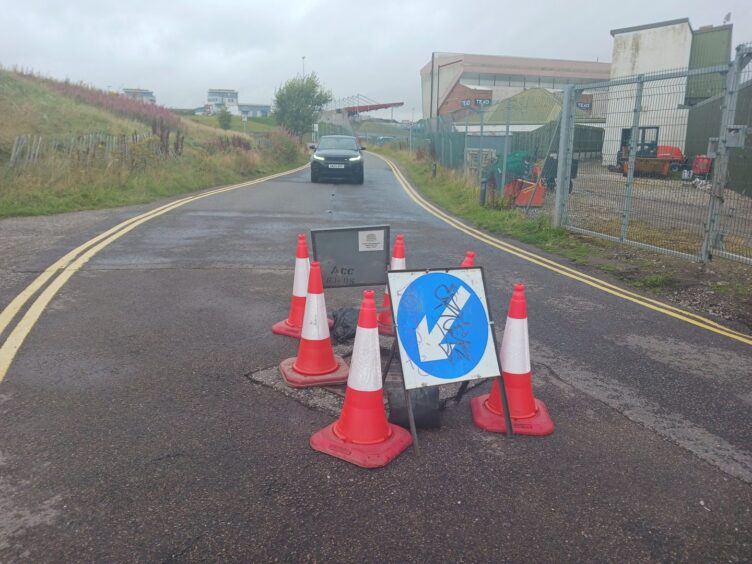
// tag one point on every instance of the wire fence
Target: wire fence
(672, 172)
(656, 160)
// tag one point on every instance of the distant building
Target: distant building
(146, 96)
(217, 99)
(255, 110)
(655, 48)
(453, 81)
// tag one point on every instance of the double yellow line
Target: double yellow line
(553, 266)
(61, 271)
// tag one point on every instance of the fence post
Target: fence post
(506, 148)
(480, 151)
(720, 166)
(564, 165)
(632, 158)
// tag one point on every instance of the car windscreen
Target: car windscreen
(338, 143)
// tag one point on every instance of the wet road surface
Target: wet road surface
(133, 428)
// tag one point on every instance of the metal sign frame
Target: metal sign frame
(398, 346)
(346, 259)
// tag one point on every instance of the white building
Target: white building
(650, 49)
(220, 98)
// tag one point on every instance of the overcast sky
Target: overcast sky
(179, 49)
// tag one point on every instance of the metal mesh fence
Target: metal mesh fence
(660, 178)
(636, 184)
(657, 160)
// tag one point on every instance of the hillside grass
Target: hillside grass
(253, 125)
(55, 185)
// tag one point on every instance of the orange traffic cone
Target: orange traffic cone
(386, 323)
(291, 326)
(469, 259)
(362, 435)
(316, 363)
(529, 415)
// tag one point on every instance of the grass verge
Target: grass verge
(722, 289)
(453, 193)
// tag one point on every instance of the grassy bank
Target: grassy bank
(66, 180)
(253, 125)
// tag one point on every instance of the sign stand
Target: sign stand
(443, 325)
(393, 352)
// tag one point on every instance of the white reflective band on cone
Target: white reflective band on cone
(315, 323)
(515, 348)
(365, 364)
(398, 264)
(300, 282)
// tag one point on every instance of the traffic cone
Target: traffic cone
(291, 326)
(529, 415)
(386, 323)
(362, 435)
(316, 363)
(469, 259)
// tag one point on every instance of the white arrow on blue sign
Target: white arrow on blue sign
(443, 326)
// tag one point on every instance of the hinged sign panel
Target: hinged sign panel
(443, 326)
(352, 256)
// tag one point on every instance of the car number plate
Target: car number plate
(336, 166)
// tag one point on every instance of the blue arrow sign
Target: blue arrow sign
(442, 325)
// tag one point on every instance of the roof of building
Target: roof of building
(532, 106)
(254, 107)
(137, 91)
(529, 66)
(666, 23)
(223, 90)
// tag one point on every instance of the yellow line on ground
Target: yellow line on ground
(563, 270)
(69, 264)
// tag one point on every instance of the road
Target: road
(135, 425)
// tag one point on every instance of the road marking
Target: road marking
(563, 270)
(66, 266)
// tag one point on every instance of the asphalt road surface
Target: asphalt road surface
(135, 426)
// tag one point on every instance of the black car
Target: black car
(337, 157)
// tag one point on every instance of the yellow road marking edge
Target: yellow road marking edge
(67, 265)
(563, 270)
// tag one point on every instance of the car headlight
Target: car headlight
(319, 158)
(351, 159)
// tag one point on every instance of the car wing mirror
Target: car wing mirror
(312, 146)
(363, 148)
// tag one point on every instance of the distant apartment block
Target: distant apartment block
(146, 96)
(217, 99)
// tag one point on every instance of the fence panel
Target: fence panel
(648, 181)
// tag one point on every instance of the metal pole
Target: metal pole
(506, 147)
(480, 151)
(430, 102)
(632, 158)
(464, 151)
(711, 240)
(564, 168)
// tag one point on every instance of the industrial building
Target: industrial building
(655, 48)
(453, 81)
